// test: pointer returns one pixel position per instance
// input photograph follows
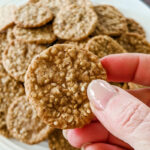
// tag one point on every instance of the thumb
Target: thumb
(122, 114)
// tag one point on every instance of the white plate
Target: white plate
(130, 8)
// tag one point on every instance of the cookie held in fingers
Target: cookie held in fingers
(32, 15)
(110, 21)
(57, 141)
(24, 124)
(56, 83)
(43, 35)
(134, 43)
(75, 23)
(6, 16)
(9, 89)
(18, 56)
(104, 45)
(135, 27)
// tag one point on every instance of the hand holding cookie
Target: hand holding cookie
(50, 52)
(122, 118)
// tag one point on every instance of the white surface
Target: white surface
(130, 8)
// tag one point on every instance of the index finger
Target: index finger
(128, 68)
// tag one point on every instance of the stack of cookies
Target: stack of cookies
(49, 53)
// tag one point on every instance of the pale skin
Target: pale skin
(123, 117)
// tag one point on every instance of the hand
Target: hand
(122, 118)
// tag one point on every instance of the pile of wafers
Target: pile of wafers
(49, 53)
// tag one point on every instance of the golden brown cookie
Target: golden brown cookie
(6, 16)
(56, 83)
(56, 141)
(134, 43)
(24, 124)
(43, 35)
(110, 21)
(31, 15)
(9, 89)
(75, 22)
(18, 56)
(135, 27)
(104, 45)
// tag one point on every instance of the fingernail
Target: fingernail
(65, 134)
(85, 145)
(99, 93)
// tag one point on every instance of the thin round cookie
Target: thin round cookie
(9, 89)
(18, 56)
(104, 45)
(134, 43)
(135, 27)
(57, 141)
(110, 21)
(75, 23)
(24, 124)
(43, 35)
(32, 15)
(56, 83)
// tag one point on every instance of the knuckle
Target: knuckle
(134, 116)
